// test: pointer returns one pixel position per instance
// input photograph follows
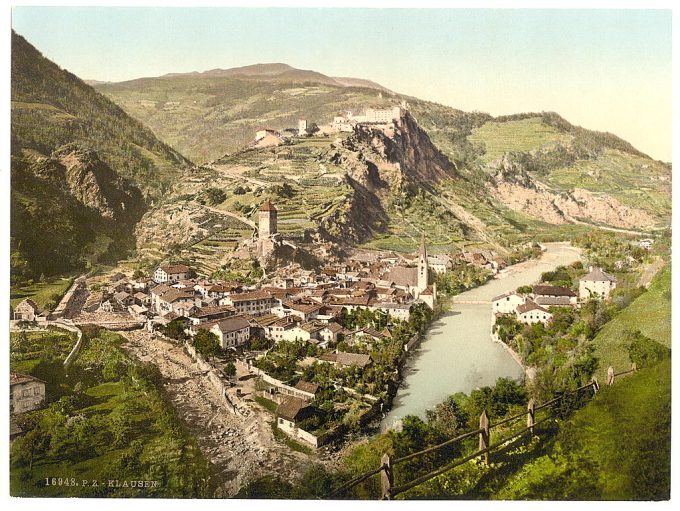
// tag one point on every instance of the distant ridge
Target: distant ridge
(276, 71)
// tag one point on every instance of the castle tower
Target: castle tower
(267, 220)
(423, 268)
(302, 127)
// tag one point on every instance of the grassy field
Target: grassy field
(519, 136)
(616, 448)
(28, 348)
(109, 420)
(40, 292)
(650, 313)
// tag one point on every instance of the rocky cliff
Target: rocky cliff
(518, 190)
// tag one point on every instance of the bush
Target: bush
(643, 351)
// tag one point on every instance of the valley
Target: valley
(273, 245)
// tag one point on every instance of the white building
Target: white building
(232, 332)
(171, 273)
(596, 284)
(530, 312)
(506, 303)
(27, 310)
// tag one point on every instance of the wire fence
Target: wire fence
(386, 468)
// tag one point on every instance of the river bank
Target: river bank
(458, 354)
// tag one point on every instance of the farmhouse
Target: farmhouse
(530, 312)
(596, 284)
(290, 412)
(171, 273)
(232, 332)
(27, 310)
(506, 303)
(26, 393)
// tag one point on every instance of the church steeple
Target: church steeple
(423, 267)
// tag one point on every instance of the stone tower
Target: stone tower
(302, 127)
(423, 268)
(267, 220)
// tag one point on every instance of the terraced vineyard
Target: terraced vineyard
(516, 136)
(210, 253)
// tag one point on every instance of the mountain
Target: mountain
(465, 179)
(83, 171)
(515, 178)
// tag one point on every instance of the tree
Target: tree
(230, 370)
(175, 329)
(207, 343)
(214, 196)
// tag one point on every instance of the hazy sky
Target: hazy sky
(608, 70)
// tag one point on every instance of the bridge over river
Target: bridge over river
(457, 354)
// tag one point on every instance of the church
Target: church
(415, 279)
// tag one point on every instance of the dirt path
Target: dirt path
(651, 271)
(240, 448)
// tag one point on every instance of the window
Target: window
(280, 421)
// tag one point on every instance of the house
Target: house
(400, 311)
(171, 273)
(179, 301)
(530, 312)
(308, 388)
(554, 295)
(26, 393)
(343, 359)
(596, 284)
(280, 328)
(306, 310)
(506, 303)
(198, 315)
(142, 299)
(291, 412)
(254, 303)
(331, 332)
(440, 263)
(26, 310)
(221, 290)
(232, 332)
(124, 299)
(368, 334)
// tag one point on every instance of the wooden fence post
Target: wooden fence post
(610, 376)
(531, 411)
(484, 435)
(596, 386)
(386, 477)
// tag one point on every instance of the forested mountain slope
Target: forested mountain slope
(83, 171)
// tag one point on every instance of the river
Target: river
(457, 353)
